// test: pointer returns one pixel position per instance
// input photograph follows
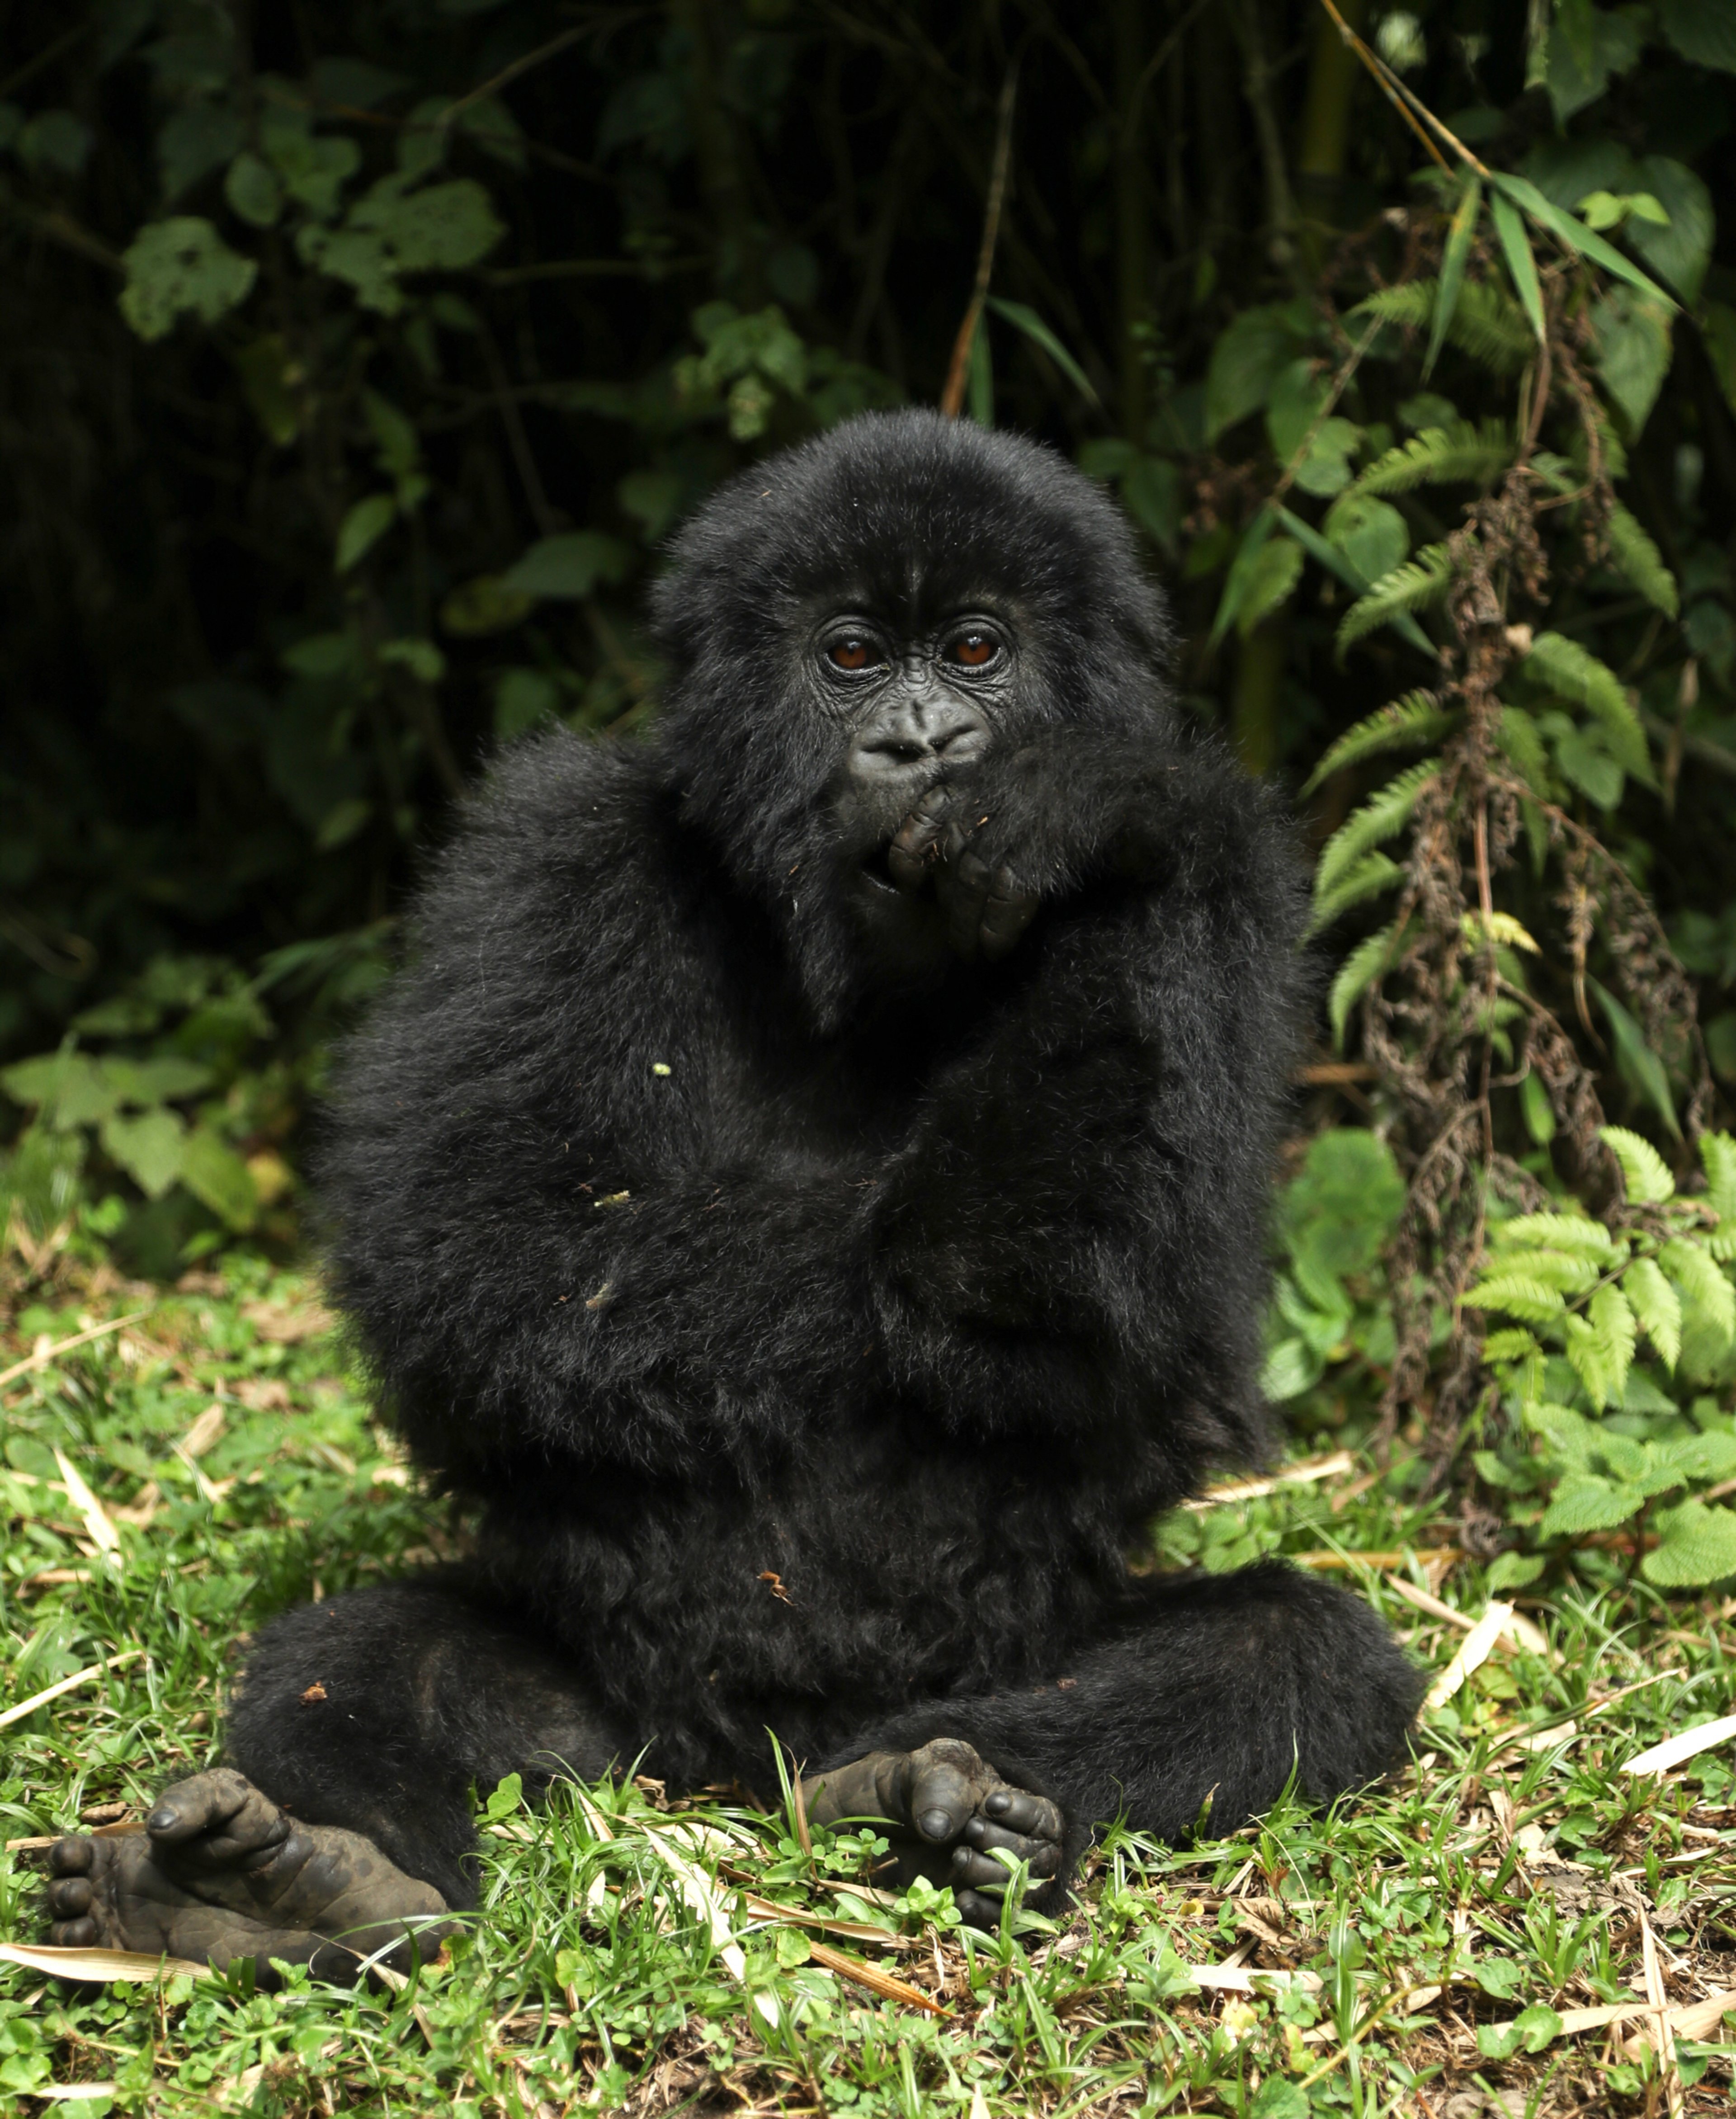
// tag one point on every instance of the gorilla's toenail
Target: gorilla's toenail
(162, 1818)
(934, 1825)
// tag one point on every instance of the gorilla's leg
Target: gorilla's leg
(367, 1718)
(1212, 1688)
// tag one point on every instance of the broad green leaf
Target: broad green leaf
(1585, 1502)
(524, 699)
(1572, 672)
(1516, 247)
(1272, 580)
(1405, 724)
(1246, 360)
(394, 433)
(165, 1080)
(1459, 238)
(148, 1148)
(1292, 1367)
(1696, 1544)
(1632, 335)
(71, 1087)
(1371, 533)
(1359, 971)
(420, 657)
(1382, 815)
(214, 1173)
(1024, 318)
(362, 529)
(1570, 1437)
(180, 267)
(1647, 1178)
(252, 190)
(1587, 45)
(1639, 1063)
(1678, 247)
(1657, 1307)
(1243, 568)
(569, 566)
(484, 605)
(1703, 30)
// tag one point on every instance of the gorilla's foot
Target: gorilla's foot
(951, 1814)
(220, 1873)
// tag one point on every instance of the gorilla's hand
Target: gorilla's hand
(987, 903)
(952, 1817)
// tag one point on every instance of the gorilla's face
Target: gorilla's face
(915, 704)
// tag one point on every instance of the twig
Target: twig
(47, 1354)
(512, 72)
(66, 1685)
(1390, 85)
(952, 397)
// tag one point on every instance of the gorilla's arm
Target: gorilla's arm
(1073, 1237)
(547, 1244)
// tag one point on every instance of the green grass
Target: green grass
(1485, 1885)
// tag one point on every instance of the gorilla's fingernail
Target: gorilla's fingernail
(936, 1824)
(163, 1818)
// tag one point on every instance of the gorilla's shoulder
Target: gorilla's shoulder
(558, 799)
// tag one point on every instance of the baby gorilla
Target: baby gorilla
(807, 1189)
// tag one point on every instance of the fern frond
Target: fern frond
(1647, 1176)
(1421, 580)
(1521, 742)
(1357, 972)
(1513, 1344)
(1657, 1307)
(1417, 718)
(1378, 818)
(1518, 1295)
(1615, 1332)
(1366, 878)
(1572, 672)
(1487, 322)
(1638, 561)
(1708, 1300)
(1462, 454)
(1560, 1232)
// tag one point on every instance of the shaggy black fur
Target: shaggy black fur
(821, 1324)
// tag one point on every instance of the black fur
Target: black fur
(819, 1340)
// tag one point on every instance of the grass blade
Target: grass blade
(1576, 235)
(1452, 266)
(1022, 317)
(1516, 248)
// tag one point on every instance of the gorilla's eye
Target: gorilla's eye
(973, 650)
(852, 653)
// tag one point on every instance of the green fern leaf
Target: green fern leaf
(1366, 879)
(1645, 1171)
(1572, 672)
(1521, 742)
(1657, 1306)
(1459, 455)
(1572, 1273)
(1514, 1344)
(1416, 719)
(1634, 557)
(1357, 972)
(1378, 818)
(1423, 579)
(1708, 1300)
(1559, 1232)
(1613, 1324)
(1518, 1295)
(1718, 1153)
(1487, 322)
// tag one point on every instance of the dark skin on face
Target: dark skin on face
(922, 709)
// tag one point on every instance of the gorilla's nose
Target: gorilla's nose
(919, 730)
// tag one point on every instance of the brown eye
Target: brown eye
(973, 650)
(852, 653)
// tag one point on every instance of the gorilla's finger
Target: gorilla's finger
(944, 1792)
(963, 892)
(1006, 913)
(69, 1896)
(1018, 1811)
(980, 1872)
(977, 1910)
(1043, 1856)
(915, 847)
